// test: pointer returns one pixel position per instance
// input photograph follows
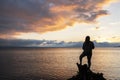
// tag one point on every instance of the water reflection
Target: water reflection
(57, 63)
(106, 60)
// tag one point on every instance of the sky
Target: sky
(59, 21)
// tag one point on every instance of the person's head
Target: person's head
(87, 39)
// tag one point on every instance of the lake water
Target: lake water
(55, 63)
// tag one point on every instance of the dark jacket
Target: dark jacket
(88, 46)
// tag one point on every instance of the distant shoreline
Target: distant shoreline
(58, 47)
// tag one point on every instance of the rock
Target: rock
(84, 73)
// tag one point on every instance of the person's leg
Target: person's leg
(89, 60)
(81, 56)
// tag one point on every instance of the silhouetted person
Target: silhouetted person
(87, 50)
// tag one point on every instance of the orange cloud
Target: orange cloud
(24, 16)
(58, 24)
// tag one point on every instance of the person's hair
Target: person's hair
(87, 39)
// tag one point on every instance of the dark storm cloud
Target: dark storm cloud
(21, 16)
(18, 15)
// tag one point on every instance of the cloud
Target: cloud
(20, 42)
(22, 16)
(48, 43)
(36, 43)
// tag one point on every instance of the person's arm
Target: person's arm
(83, 47)
(93, 45)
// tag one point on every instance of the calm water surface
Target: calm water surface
(55, 63)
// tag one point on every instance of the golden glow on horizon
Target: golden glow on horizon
(74, 34)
